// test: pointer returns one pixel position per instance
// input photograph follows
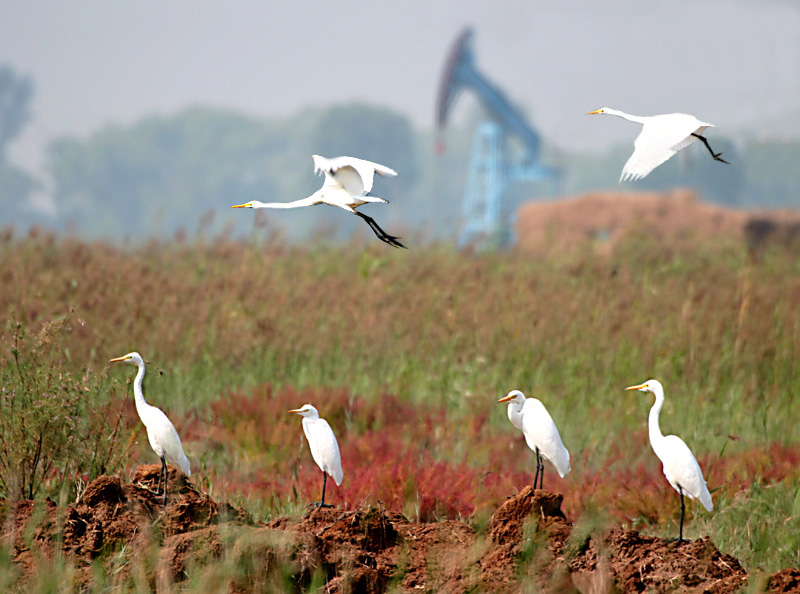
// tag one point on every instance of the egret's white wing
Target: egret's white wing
(164, 438)
(661, 137)
(353, 181)
(345, 170)
(682, 470)
(541, 432)
(324, 447)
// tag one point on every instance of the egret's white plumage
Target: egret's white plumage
(161, 432)
(541, 434)
(348, 182)
(661, 137)
(323, 445)
(679, 464)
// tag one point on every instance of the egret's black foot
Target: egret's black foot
(393, 241)
(718, 158)
(312, 507)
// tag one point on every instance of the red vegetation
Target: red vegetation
(401, 455)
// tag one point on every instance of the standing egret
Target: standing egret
(324, 447)
(160, 431)
(348, 182)
(661, 137)
(680, 466)
(541, 434)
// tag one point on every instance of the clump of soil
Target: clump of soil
(529, 544)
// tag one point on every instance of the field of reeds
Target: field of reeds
(406, 353)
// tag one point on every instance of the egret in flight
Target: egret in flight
(680, 466)
(541, 434)
(661, 137)
(348, 182)
(160, 431)
(324, 448)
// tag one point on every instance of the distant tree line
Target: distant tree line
(181, 172)
(16, 186)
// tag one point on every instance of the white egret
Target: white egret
(680, 466)
(541, 434)
(348, 182)
(324, 447)
(161, 432)
(661, 137)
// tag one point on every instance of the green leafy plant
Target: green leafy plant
(55, 424)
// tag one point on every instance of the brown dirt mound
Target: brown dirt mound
(529, 545)
(637, 563)
(602, 219)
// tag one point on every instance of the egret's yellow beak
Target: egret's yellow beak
(295, 410)
(639, 387)
(595, 111)
(505, 399)
(245, 205)
(118, 359)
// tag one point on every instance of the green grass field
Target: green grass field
(406, 354)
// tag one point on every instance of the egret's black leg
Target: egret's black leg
(683, 510)
(541, 473)
(538, 467)
(165, 472)
(322, 503)
(382, 235)
(716, 156)
(160, 476)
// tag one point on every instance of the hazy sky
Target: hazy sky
(730, 62)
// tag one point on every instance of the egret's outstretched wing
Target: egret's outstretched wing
(355, 175)
(353, 181)
(661, 137)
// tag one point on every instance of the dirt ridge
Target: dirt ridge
(366, 550)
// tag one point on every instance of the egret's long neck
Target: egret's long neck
(138, 395)
(627, 116)
(656, 437)
(311, 200)
(515, 413)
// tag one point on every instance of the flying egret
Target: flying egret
(160, 431)
(324, 447)
(661, 137)
(348, 182)
(541, 434)
(680, 466)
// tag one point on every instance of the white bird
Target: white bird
(324, 447)
(541, 434)
(680, 466)
(348, 182)
(161, 432)
(661, 137)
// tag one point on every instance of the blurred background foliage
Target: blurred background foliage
(181, 172)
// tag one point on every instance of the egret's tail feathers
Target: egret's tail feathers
(372, 199)
(562, 463)
(184, 465)
(705, 499)
(337, 476)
